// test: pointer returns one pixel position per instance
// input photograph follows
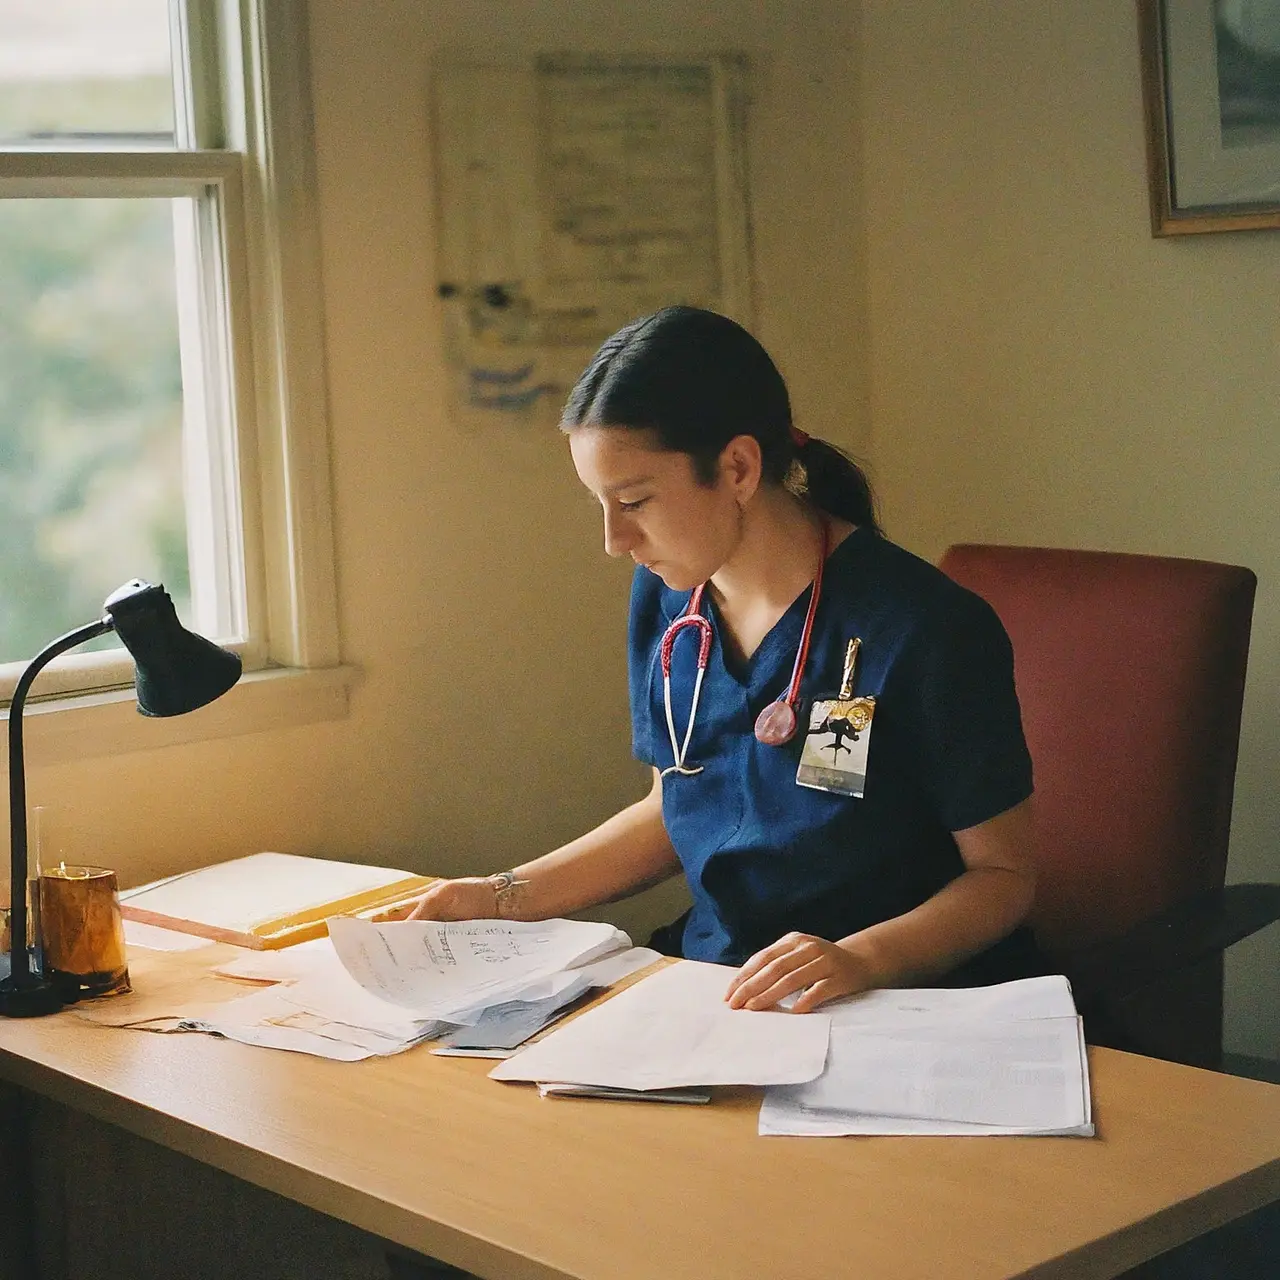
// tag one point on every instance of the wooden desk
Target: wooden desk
(428, 1153)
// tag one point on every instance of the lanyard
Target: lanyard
(776, 724)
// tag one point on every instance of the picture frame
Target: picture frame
(1211, 100)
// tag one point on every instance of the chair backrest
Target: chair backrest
(1130, 672)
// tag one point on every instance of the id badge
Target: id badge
(834, 755)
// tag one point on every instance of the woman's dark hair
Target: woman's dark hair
(696, 379)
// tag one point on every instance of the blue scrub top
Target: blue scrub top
(765, 856)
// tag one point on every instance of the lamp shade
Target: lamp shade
(176, 670)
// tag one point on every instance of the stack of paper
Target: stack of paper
(502, 1028)
(673, 1030)
(455, 970)
(325, 1014)
(1007, 1059)
(481, 987)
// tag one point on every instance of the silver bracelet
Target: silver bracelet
(503, 882)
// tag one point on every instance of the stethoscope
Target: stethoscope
(776, 724)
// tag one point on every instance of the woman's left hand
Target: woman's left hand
(819, 969)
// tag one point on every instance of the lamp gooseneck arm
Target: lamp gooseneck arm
(20, 963)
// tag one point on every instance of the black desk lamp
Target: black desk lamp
(175, 671)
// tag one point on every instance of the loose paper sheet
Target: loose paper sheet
(674, 1029)
(274, 1019)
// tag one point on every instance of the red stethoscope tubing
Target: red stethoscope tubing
(693, 617)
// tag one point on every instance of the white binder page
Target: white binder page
(674, 1029)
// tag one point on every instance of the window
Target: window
(159, 270)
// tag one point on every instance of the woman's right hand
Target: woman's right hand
(467, 898)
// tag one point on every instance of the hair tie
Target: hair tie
(799, 438)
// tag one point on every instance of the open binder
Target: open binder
(269, 900)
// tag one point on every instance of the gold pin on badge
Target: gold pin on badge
(850, 662)
(845, 713)
(859, 713)
(855, 712)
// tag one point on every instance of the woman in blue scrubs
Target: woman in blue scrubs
(910, 866)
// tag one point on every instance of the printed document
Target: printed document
(674, 1029)
(1005, 1059)
(454, 970)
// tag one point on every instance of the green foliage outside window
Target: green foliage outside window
(90, 407)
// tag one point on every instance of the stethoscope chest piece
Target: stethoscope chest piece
(776, 724)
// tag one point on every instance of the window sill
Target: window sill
(101, 724)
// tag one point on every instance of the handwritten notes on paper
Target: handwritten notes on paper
(578, 192)
(455, 970)
(627, 179)
(315, 1005)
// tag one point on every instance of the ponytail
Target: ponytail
(833, 482)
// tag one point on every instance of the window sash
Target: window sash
(219, 402)
(243, 83)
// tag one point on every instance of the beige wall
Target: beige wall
(1044, 371)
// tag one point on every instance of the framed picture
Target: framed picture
(1211, 93)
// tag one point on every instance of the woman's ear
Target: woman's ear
(741, 467)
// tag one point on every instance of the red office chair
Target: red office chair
(1130, 671)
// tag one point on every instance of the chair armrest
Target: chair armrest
(1177, 938)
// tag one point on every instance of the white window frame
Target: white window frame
(249, 111)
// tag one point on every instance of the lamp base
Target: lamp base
(27, 995)
(72, 987)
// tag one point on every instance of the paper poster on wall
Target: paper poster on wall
(575, 194)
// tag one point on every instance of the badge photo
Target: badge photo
(834, 755)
